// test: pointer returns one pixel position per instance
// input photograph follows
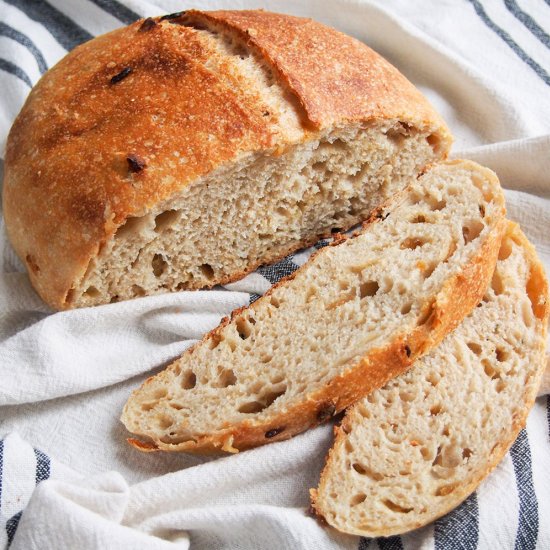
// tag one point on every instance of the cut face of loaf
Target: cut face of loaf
(413, 450)
(256, 211)
(354, 316)
(183, 152)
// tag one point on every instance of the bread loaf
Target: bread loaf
(354, 316)
(184, 151)
(413, 450)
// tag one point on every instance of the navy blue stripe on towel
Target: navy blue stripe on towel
(9, 67)
(43, 468)
(390, 543)
(63, 29)
(11, 526)
(274, 273)
(24, 40)
(509, 41)
(528, 21)
(459, 529)
(528, 521)
(118, 10)
(1, 469)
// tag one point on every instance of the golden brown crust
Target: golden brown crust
(334, 77)
(540, 296)
(455, 301)
(95, 141)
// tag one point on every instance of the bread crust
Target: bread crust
(94, 143)
(334, 77)
(456, 299)
(462, 491)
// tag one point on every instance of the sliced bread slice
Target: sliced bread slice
(413, 450)
(354, 316)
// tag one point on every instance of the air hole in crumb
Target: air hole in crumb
(368, 288)
(226, 378)
(444, 490)
(489, 370)
(419, 218)
(159, 265)
(263, 402)
(476, 348)
(407, 395)
(413, 243)
(433, 379)
(274, 301)
(394, 507)
(311, 294)
(406, 308)
(497, 284)
(214, 341)
(160, 393)
(472, 231)
(501, 354)
(138, 290)
(435, 409)
(438, 205)
(132, 226)
(505, 249)
(348, 446)
(251, 407)
(426, 453)
(357, 499)
(146, 407)
(188, 380)
(166, 219)
(438, 458)
(429, 269)
(501, 385)
(434, 142)
(176, 406)
(364, 471)
(270, 397)
(243, 328)
(207, 271)
(164, 421)
(92, 292)
(396, 136)
(175, 439)
(466, 453)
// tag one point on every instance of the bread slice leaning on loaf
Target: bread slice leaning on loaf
(184, 151)
(415, 449)
(355, 315)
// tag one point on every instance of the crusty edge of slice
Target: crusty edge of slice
(519, 420)
(459, 295)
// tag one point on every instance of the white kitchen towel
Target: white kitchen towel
(64, 377)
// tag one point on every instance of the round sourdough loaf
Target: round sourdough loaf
(184, 151)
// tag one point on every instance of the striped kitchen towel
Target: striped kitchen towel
(485, 64)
